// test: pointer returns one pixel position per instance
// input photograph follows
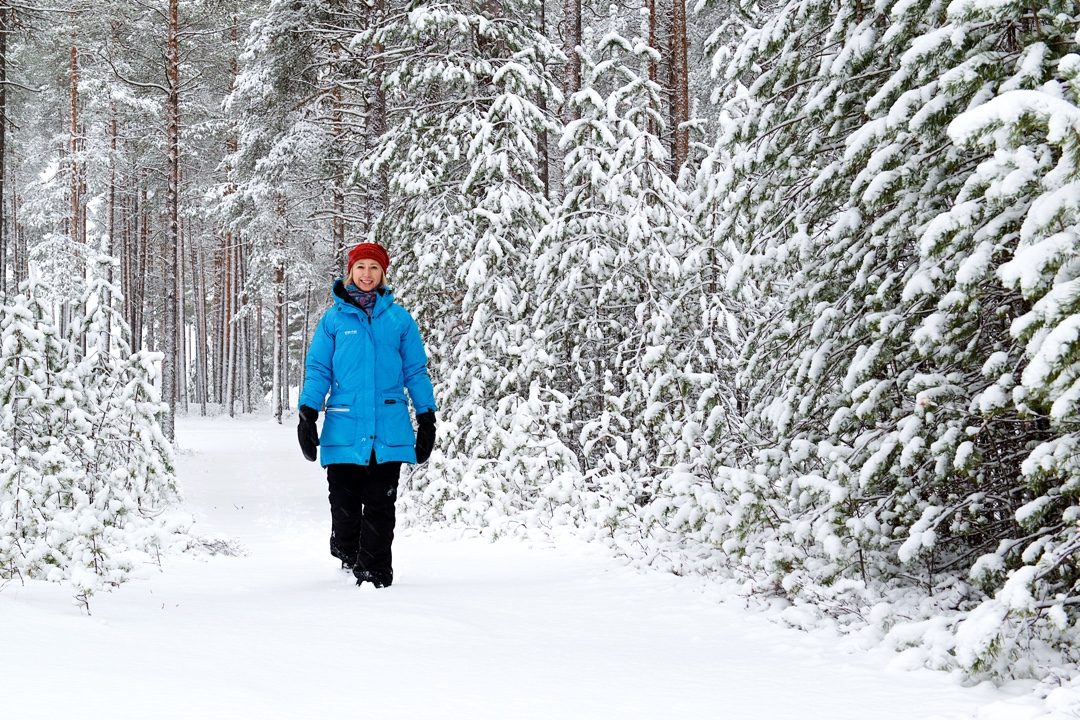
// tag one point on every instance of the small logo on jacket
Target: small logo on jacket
(349, 332)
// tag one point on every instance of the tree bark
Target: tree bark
(243, 329)
(379, 195)
(572, 40)
(5, 251)
(181, 322)
(73, 143)
(542, 141)
(229, 330)
(277, 406)
(337, 192)
(285, 376)
(654, 43)
(20, 263)
(198, 288)
(680, 85)
(105, 342)
(172, 230)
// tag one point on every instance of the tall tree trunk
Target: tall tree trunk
(172, 231)
(654, 43)
(73, 142)
(285, 376)
(181, 322)
(378, 192)
(198, 289)
(305, 336)
(225, 275)
(229, 339)
(20, 263)
(276, 406)
(571, 42)
(74, 226)
(260, 345)
(108, 243)
(142, 268)
(127, 259)
(5, 251)
(244, 329)
(337, 191)
(276, 403)
(680, 85)
(542, 141)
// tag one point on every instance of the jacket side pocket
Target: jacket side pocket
(339, 423)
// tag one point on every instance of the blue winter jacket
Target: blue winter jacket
(366, 364)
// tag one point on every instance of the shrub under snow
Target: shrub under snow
(87, 485)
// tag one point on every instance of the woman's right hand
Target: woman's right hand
(307, 433)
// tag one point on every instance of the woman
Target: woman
(366, 352)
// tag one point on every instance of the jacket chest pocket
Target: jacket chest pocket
(339, 422)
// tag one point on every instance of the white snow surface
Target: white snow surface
(470, 629)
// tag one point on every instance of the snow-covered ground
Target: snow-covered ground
(470, 629)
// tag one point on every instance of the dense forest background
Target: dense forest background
(785, 292)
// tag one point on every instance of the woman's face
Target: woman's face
(366, 274)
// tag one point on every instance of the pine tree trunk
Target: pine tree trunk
(181, 323)
(337, 182)
(379, 195)
(172, 231)
(105, 341)
(572, 40)
(680, 85)
(5, 251)
(198, 288)
(75, 227)
(244, 330)
(275, 386)
(244, 365)
(654, 43)
(541, 103)
(260, 341)
(127, 260)
(142, 270)
(230, 330)
(285, 345)
(20, 262)
(221, 353)
(277, 406)
(305, 336)
(73, 143)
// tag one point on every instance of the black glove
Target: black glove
(425, 435)
(307, 433)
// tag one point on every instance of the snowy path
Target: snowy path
(469, 630)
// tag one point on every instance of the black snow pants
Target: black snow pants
(362, 501)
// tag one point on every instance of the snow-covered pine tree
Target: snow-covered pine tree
(795, 91)
(30, 350)
(447, 63)
(832, 175)
(498, 450)
(297, 124)
(130, 458)
(1014, 222)
(609, 282)
(86, 479)
(886, 455)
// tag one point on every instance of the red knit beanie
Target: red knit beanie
(369, 251)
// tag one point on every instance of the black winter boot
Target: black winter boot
(347, 556)
(378, 579)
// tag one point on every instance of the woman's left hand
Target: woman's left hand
(425, 435)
